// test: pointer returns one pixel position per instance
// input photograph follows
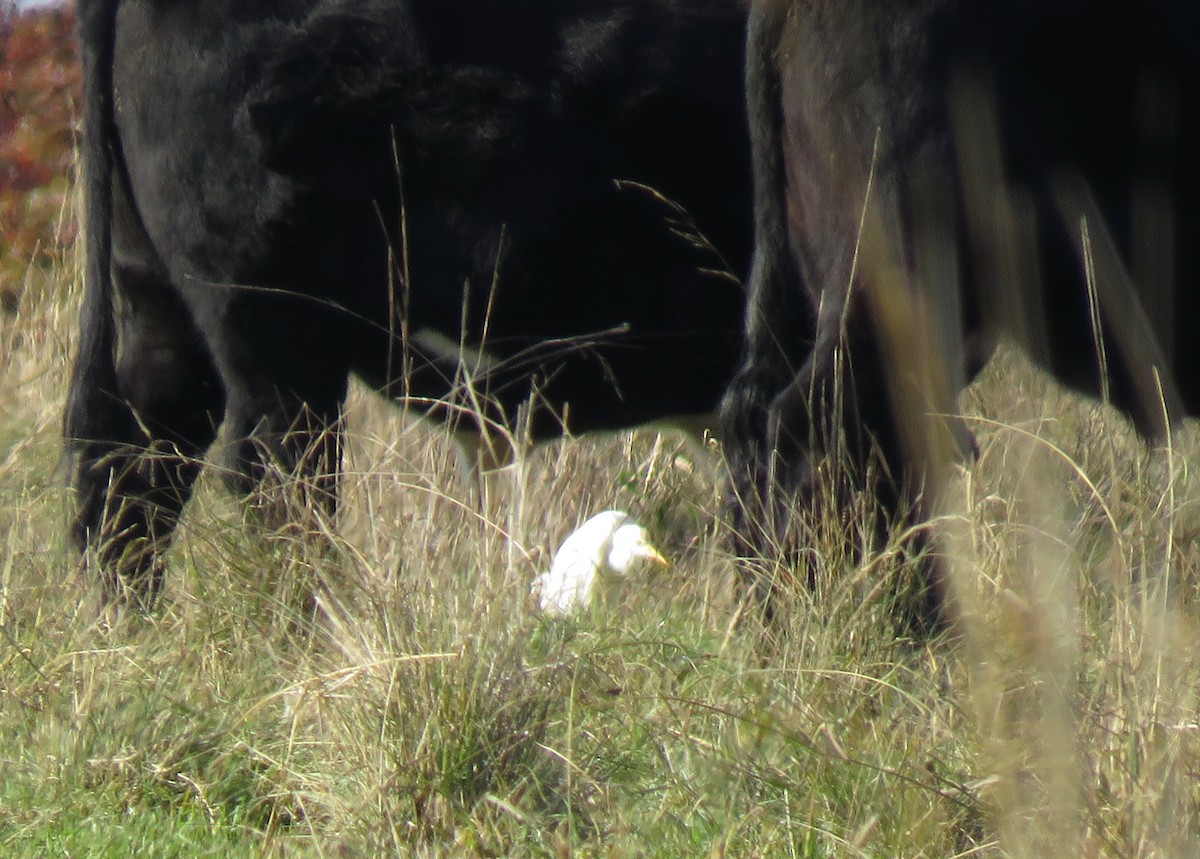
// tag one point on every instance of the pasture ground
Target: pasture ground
(429, 711)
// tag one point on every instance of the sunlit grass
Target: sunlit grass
(425, 708)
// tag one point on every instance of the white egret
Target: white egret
(593, 561)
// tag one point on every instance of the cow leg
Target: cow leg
(773, 429)
(285, 377)
(284, 455)
(818, 413)
(837, 405)
(836, 408)
(781, 324)
(886, 412)
(137, 448)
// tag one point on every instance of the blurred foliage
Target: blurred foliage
(39, 113)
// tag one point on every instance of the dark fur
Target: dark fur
(267, 169)
(1072, 87)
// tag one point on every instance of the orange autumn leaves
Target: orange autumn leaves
(39, 118)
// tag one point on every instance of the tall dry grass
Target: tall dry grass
(427, 709)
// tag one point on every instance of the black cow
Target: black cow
(931, 175)
(483, 203)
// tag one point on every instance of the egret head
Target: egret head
(630, 543)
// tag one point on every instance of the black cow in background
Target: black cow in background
(482, 202)
(928, 175)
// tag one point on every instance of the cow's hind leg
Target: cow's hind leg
(136, 430)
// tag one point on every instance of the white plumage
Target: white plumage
(592, 561)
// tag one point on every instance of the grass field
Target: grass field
(429, 710)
